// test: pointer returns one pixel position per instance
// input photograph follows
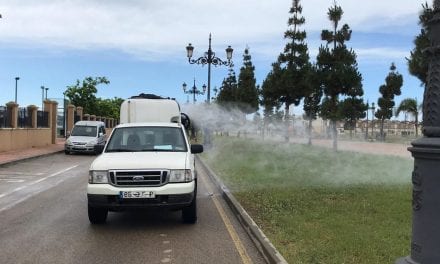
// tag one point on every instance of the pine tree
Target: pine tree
(312, 101)
(391, 88)
(418, 60)
(227, 96)
(247, 92)
(338, 69)
(293, 65)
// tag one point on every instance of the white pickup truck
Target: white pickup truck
(147, 162)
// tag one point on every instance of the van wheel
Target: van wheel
(66, 152)
(189, 214)
(97, 215)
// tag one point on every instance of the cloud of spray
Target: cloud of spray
(249, 162)
(232, 121)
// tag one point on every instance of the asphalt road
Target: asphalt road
(43, 219)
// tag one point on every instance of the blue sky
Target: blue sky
(139, 45)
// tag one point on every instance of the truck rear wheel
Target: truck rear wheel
(97, 215)
(189, 214)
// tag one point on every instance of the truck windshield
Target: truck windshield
(84, 131)
(129, 139)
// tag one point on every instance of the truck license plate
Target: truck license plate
(136, 194)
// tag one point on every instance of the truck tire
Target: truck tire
(97, 215)
(189, 214)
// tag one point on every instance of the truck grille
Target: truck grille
(132, 178)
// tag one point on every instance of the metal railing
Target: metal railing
(42, 119)
(5, 117)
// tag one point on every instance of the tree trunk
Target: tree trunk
(335, 135)
(382, 136)
(310, 132)
(286, 122)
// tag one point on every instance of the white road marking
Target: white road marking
(28, 185)
(12, 180)
(7, 173)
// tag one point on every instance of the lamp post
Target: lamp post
(372, 108)
(193, 90)
(46, 91)
(209, 58)
(42, 98)
(425, 179)
(16, 81)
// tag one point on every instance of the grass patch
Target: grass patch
(318, 206)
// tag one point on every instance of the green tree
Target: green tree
(353, 109)
(227, 96)
(108, 107)
(268, 90)
(409, 105)
(292, 65)
(247, 92)
(84, 93)
(312, 101)
(418, 60)
(338, 70)
(391, 88)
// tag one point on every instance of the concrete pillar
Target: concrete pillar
(32, 110)
(92, 118)
(70, 117)
(426, 152)
(79, 111)
(13, 110)
(86, 117)
(53, 121)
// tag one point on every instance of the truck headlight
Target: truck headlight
(181, 176)
(98, 176)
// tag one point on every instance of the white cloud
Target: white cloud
(165, 27)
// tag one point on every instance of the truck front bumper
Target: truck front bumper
(171, 196)
(115, 203)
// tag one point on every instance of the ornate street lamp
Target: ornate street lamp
(16, 81)
(425, 239)
(209, 58)
(193, 90)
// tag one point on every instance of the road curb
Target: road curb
(29, 158)
(263, 244)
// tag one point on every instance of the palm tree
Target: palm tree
(409, 105)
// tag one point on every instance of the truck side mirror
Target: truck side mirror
(98, 149)
(196, 148)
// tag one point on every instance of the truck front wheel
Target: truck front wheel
(189, 214)
(97, 215)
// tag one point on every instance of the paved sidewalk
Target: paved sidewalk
(23, 154)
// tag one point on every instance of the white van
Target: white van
(84, 136)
